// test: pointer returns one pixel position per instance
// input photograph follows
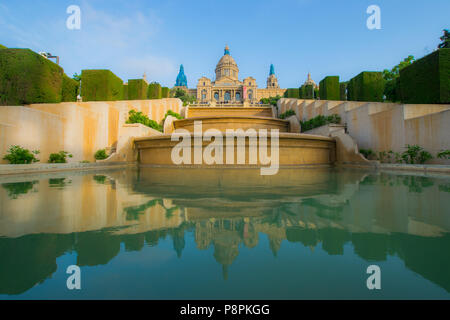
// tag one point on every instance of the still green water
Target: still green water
(225, 234)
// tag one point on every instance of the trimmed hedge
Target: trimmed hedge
(137, 89)
(307, 92)
(165, 92)
(125, 92)
(343, 91)
(366, 86)
(427, 80)
(154, 91)
(27, 77)
(3, 47)
(292, 93)
(329, 88)
(69, 89)
(101, 85)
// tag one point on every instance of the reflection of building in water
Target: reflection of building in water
(359, 214)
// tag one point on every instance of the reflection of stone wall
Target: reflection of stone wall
(80, 128)
(79, 203)
(383, 126)
(104, 212)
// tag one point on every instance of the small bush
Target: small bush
(60, 157)
(287, 114)
(367, 153)
(19, 155)
(173, 114)
(138, 117)
(415, 154)
(319, 121)
(444, 154)
(100, 154)
(271, 100)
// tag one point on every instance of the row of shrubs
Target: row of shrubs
(27, 77)
(426, 80)
(103, 85)
(138, 117)
(315, 122)
(414, 154)
(19, 155)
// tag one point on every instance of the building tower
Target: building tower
(226, 68)
(272, 81)
(181, 78)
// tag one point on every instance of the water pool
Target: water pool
(158, 233)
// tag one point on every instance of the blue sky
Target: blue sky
(324, 37)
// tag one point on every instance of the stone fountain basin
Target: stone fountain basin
(295, 149)
(222, 123)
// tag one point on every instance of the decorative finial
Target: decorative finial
(181, 78)
(227, 50)
(272, 70)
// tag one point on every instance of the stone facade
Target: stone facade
(228, 89)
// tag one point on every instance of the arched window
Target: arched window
(250, 94)
(238, 96)
(227, 96)
(203, 94)
(216, 96)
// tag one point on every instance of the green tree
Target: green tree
(392, 79)
(76, 77)
(183, 96)
(395, 71)
(445, 40)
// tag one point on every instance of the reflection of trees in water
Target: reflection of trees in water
(58, 182)
(413, 183)
(133, 213)
(444, 187)
(323, 210)
(28, 260)
(31, 259)
(17, 188)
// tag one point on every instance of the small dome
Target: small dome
(226, 60)
(227, 67)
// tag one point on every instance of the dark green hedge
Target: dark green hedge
(292, 93)
(343, 91)
(307, 92)
(165, 92)
(137, 89)
(427, 80)
(125, 92)
(69, 89)
(329, 88)
(154, 91)
(27, 77)
(366, 86)
(101, 85)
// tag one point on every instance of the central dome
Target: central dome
(227, 68)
